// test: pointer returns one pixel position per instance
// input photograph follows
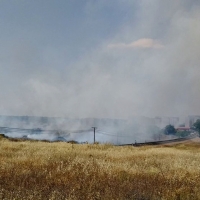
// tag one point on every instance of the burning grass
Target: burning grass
(41, 170)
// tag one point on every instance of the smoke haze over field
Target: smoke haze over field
(89, 58)
(116, 131)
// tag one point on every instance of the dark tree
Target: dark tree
(197, 126)
(170, 130)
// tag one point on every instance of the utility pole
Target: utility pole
(94, 132)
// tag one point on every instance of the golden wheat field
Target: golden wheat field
(44, 170)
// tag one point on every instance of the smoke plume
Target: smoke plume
(100, 59)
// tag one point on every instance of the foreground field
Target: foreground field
(42, 170)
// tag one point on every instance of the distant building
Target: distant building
(183, 128)
(174, 121)
(191, 119)
(158, 121)
(161, 121)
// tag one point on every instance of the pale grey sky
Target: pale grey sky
(105, 58)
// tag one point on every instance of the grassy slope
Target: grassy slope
(42, 170)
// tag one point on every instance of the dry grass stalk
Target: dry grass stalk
(42, 170)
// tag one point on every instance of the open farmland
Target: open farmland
(44, 170)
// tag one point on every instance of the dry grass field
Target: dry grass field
(43, 170)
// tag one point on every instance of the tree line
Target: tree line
(170, 130)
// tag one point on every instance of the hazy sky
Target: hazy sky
(99, 58)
